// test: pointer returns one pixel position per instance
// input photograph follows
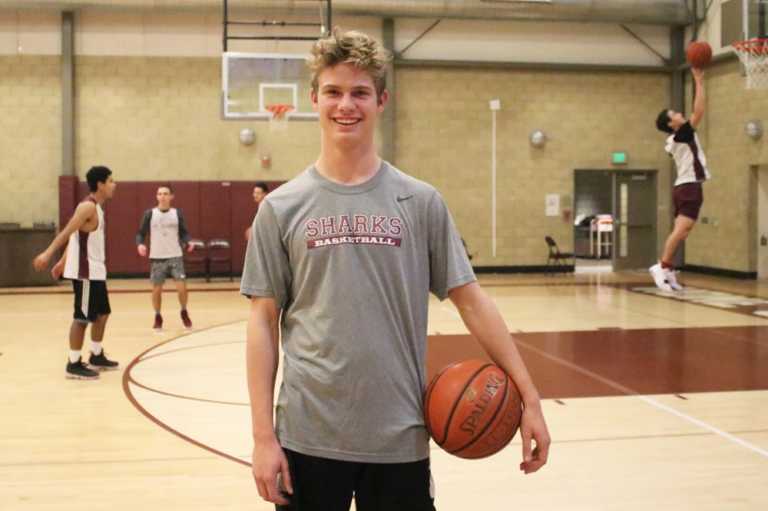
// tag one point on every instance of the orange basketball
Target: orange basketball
(699, 54)
(472, 409)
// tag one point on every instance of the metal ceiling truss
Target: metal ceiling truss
(325, 26)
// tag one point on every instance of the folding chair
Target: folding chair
(555, 257)
(197, 260)
(219, 254)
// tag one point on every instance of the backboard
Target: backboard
(752, 46)
(251, 82)
(755, 20)
(742, 20)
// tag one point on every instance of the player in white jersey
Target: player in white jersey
(83, 263)
(168, 235)
(684, 146)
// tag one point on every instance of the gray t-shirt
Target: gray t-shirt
(352, 267)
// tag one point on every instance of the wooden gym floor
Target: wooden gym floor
(653, 400)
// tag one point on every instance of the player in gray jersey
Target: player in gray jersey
(168, 235)
(339, 267)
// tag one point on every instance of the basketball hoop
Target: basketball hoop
(278, 121)
(753, 54)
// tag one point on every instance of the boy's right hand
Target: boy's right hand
(698, 73)
(268, 465)
(41, 261)
(142, 250)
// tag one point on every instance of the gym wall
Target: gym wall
(444, 137)
(725, 237)
(147, 105)
(212, 210)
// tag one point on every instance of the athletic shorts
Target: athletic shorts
(321, 484)
(688, 200)
(91, 300)
(160, 269)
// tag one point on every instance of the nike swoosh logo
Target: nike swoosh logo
(401, 198)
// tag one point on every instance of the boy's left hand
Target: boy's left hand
(534, 428)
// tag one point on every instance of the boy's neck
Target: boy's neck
(98, 197)
(348, 167)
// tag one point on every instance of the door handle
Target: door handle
(764, 241)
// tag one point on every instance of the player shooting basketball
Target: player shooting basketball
(684, 146)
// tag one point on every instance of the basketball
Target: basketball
(699, 54)
(472, 409)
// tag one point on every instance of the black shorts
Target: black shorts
(321, 484)
(688, 200)
(91, 299)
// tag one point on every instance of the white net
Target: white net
(753, 54)
(278, 121)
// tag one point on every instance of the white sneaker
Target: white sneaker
(659, 277)
(672, 280)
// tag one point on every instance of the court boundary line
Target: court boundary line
(648, 400)
(126, 383)
(127, 380)
(630, 392)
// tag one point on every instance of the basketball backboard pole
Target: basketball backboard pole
(745, 20)
(325, 26)
(225, 26)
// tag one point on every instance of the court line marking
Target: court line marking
(645, 399)
(136, 404)
(106, 461)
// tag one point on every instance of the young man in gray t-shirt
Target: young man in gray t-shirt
(348, 252)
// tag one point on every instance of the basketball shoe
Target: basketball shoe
(659, 277)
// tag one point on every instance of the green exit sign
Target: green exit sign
(619, 158)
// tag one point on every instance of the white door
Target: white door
(762, 222)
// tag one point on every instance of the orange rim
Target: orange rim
(754, 47)
(279, 110)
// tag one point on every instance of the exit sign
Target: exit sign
(619, 158)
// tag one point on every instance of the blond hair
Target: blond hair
(356, 48)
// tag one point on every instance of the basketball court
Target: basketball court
(648, 398)
(652, 398)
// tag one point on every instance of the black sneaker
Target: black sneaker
(79, 371)
(185, 319)
(158, 321)
(100, 362)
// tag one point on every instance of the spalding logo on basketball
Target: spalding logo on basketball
(472, 409)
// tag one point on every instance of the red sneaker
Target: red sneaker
(185, 319)
(158, 321)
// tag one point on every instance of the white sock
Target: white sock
(74, 356)
(96, 348)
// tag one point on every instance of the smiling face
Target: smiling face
(347, 104)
